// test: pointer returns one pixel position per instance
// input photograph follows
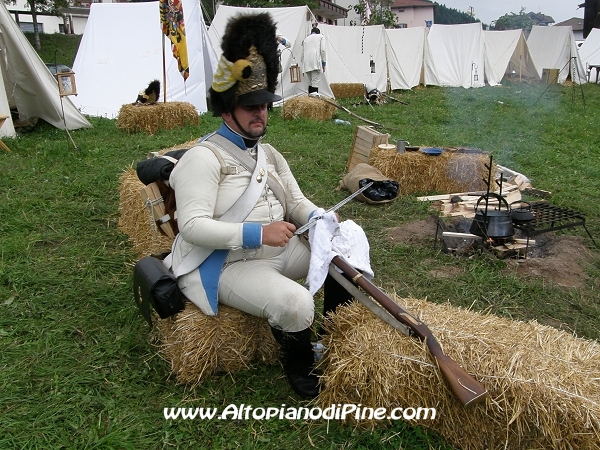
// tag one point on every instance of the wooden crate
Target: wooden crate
(549, 76)
(365, 139)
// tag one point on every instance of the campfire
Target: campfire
(457, 240)
(505, 228)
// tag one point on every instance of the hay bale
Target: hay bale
(135, 220)
(347, 90)
(543, 383)
(158, 116)
(447, 173)
(197, 345)
(309, 108)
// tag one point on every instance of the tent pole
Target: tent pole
(164, 70)
(388, 85)
(521, 57)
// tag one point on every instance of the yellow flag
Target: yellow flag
(173, 26)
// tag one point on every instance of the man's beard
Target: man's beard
(253, 132)
(248, 133)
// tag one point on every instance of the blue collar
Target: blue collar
(232, 136)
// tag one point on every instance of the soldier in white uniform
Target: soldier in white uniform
(252, 262)
(314, 59)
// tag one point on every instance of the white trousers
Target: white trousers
(262, 283)
(314, 78)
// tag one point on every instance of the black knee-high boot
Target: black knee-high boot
(298, 359)
(334, 295)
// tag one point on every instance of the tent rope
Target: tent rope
(344, 62)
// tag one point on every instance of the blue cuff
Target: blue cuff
(251, 235)
(323, 63)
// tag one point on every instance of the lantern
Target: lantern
(295, 73)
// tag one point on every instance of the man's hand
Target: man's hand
(277, 234)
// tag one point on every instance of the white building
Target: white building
(409, 13)
(413, 13)
(72, 20)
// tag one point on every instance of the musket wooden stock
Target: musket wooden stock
(467, 389)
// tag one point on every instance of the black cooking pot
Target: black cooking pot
(492, 223)
(521, 214)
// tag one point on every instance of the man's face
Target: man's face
(251, 119)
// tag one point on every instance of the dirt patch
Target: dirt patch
(563, 263)
(419, 230)
(561, 260)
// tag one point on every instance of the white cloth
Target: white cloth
(329, 238)
(314, 78)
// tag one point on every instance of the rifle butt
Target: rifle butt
(466, 388)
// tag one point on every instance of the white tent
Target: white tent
(589, 52)
(405, 53)
(507, 54)
(295, 24)
(121, 52)
(27, 83)
(350, 51)
(555, 48)
(454, 55)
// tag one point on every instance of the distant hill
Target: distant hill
(451, 16)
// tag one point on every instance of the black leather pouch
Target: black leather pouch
(154, 284)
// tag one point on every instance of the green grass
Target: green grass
(57, 48)
(77, 366)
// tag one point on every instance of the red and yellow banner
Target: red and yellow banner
(173, 26)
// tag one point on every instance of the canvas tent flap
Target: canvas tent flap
(28, 84)
(295, 24)
(350, 51)
(507, 54)
(589, 52)
(555, 48)
(405, 50)
(122, 51)
(454, 55)
(7, 129)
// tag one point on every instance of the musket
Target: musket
(466, 388)
(313, 221)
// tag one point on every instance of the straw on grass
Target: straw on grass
(347, 90)
(308, 107)
(419, 173)
(197, 345)
(158, 116)
(543, 384)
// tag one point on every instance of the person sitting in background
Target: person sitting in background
(252, 260)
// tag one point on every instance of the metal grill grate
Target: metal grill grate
(551, 218)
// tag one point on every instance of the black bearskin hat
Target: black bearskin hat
(249, 66)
